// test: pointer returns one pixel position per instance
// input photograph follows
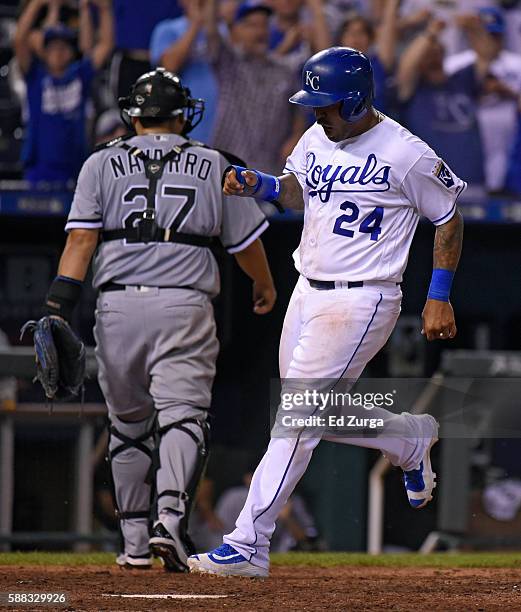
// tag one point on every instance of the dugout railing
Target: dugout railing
(19, 362)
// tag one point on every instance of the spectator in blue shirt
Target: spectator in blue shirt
(180, 45)
(513, 181)
(298, 29)
(134, 22)
(58, 87)
(440, 108)
(379, 44)
(501, 87)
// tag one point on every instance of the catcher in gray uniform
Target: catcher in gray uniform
(148, 207)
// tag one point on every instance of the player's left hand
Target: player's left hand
(264, 297)
(438, 321)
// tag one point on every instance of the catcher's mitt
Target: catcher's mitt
(60, 357)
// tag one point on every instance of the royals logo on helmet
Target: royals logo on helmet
(313, 80)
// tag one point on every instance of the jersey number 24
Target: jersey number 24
(369, 225)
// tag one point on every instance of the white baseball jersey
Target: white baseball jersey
(363, 199)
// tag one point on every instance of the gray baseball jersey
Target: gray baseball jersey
(110, 195)
(156, 344)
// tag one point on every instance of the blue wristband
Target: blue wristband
(267, 187)
(441, 282)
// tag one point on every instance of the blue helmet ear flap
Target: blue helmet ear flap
(355, 107)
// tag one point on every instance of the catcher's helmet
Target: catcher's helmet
(338, 74)
(161, 94)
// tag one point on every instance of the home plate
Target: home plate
(165, 596)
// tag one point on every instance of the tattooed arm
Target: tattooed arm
(291, 192)
(438, 316)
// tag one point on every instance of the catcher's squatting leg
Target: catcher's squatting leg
(183, 452)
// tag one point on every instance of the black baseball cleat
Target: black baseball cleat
(170, 549)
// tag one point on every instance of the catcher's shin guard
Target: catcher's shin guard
(131, 455)
(170, 541)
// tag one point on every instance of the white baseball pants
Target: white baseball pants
(326, 335)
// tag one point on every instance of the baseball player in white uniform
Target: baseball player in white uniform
(363, 182)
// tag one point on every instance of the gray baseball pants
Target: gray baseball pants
(156, 350)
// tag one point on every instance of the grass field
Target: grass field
(298, 581)
(437, 560)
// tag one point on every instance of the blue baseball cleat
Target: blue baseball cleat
(420, 483)
(225, 561)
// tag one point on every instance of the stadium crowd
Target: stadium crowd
(449, 70)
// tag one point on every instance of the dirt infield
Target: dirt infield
(288, 588)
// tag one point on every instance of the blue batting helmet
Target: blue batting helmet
(334, 75)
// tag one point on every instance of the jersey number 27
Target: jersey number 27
(169, 191)
(369, 225)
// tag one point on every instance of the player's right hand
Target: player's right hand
(232, 186)
(264, 296)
